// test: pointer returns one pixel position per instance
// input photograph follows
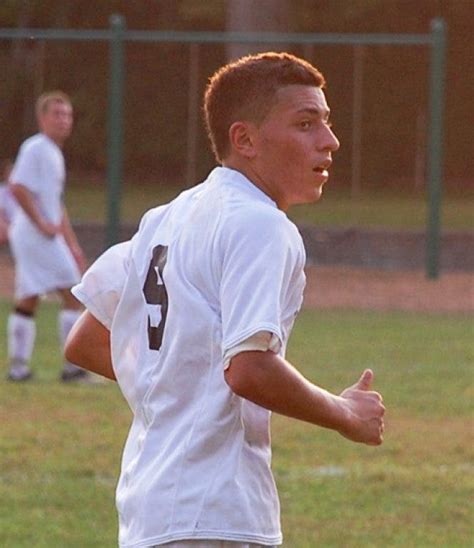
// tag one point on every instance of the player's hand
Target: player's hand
(364, 411)
(50, 230)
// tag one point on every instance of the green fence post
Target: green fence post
(435, 155)
(115, 129)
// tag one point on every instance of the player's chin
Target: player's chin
(316, 193)
(311, 195)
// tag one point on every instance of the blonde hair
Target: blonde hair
(45, 99)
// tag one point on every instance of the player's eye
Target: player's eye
(305, 124)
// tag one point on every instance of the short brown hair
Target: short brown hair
(45, 99)
(245, 90)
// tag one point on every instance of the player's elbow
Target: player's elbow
(79, 345)
(17, 190)
(243, 374)
(234, 381)
(88, 346)
(73, 350)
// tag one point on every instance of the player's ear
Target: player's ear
(241, 138)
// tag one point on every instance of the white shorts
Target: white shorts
(41, 264)
(210, 544)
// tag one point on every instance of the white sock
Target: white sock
(66, 319)
(21, 333)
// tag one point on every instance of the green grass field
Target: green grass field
(60, 446)
(389, 208)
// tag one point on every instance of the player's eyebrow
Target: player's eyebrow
(324, 114)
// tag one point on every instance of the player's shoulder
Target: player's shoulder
(155, 214)
(34, 143)
(164, 220)
(257, 217)
(259, 226)
(150, 216)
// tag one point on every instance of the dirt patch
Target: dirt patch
(346, 287)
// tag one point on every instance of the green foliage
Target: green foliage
(60, 445)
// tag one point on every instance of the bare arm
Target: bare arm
(271, 382)
(3, 229)
(88, 346)
(26, 201)
(72, 242)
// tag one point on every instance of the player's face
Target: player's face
(293, 147)
(56, 121)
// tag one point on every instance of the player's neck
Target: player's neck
(58, 141)
(253, 177)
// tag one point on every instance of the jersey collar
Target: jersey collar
(236, 178)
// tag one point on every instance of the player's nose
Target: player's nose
(331, 141)
(327, 140)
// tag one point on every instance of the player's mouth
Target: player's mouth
(322, 169)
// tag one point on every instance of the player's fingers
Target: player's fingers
(365, 381)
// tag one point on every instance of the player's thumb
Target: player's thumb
(365, 381)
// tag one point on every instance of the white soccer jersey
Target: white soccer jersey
(204, 273)
(40, 168)
(42, 264)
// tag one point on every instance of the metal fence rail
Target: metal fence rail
(117, 35)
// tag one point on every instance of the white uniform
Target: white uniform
(42, 264)
(217, 265)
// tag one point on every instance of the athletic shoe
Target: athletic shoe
(19, 373)
(74, 375)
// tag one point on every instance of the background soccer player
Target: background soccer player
(45, 250)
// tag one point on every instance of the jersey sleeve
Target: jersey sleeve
(261, 285)
(261, 341)
(101, 286)
(27, 169)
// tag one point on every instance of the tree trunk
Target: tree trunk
(256, 16)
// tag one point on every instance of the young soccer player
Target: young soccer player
(45, 250)
(193, 315)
